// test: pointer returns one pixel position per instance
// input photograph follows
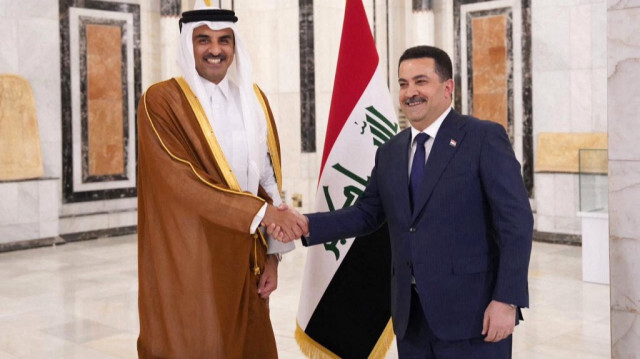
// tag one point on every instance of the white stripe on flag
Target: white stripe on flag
(355, 151)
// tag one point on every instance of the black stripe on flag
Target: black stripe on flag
(356, 307)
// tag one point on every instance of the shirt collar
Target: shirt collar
(433, 128)
(210, 86)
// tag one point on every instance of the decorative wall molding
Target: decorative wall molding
(80, 181)
(422, 5)
(170, 8)
(307, 78)
(518, 86)
(488, 15)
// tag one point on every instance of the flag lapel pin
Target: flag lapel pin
(453, 143)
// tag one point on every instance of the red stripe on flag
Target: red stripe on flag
(357, 62)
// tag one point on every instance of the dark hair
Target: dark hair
(444, 69)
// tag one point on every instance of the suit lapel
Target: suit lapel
(400, 152)
(446, 143)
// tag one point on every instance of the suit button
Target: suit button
(412, 229)
(408, 264)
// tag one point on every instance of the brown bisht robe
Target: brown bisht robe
(196, 259)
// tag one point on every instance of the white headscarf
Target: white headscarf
(241, 75)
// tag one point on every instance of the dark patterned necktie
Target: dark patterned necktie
(417, 167)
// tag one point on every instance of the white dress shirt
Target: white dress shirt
(432, 131)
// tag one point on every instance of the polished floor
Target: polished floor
(78, 301)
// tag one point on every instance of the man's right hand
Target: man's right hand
(285, 224)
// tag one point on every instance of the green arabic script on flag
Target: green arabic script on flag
(381, 130)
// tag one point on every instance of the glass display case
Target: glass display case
(593, 169)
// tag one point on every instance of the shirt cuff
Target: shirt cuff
(275, 246)
(257, 219)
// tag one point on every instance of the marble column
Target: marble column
(623, 49)
(419, 24)
(170, 11)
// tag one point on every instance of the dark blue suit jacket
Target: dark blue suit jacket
(467, 242)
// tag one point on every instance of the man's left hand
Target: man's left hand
(499, 321)
(269, 279)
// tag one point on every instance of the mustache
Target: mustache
(415, 99)
(212, 56)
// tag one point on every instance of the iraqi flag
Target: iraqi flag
(345, 308)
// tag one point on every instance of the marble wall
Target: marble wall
(29, 48)
(623, 86)
(101, 85)
(569, 95)
(28, 213)
(29, 31)
(32, 46)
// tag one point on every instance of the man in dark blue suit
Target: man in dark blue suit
(460, 223)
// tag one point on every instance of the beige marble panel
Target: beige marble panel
(104, 100)
(490, 68)
(594, 162)
(20, 154)
(558, 152)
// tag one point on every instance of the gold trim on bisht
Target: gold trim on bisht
(187, 162)
(271, 139)
(219, 156)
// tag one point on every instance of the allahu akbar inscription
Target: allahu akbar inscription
(20, 153)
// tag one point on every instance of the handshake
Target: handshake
(285, 224)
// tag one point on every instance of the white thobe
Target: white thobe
(225, 115)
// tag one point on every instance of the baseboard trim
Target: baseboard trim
(558, 238)
(100, 233)
(31, 243)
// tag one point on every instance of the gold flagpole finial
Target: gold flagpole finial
(207, 2)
